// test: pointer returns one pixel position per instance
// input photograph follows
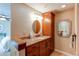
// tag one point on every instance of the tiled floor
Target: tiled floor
(55, 53)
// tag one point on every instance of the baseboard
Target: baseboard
(65, 53)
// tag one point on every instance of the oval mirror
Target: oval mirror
(64, 28)
(36, 26)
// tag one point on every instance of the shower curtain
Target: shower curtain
(8, 47)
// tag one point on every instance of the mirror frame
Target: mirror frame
(33, 24)
(70, 29)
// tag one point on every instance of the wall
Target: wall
(64, 44)
(22, 19)
(77, 50)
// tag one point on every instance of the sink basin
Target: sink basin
(36, 39)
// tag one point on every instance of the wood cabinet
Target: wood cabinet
(42, 48)
(33, 50)
(48, 24)
(48, 27)
(52, 45)
(48, 46)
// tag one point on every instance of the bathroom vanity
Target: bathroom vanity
(42, 47)
(37, 46)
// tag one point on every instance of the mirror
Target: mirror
(64, 28)
(36, 26)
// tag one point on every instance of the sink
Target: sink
(36, 39)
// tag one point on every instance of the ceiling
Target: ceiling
(45, 7)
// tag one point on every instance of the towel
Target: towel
(8, 47)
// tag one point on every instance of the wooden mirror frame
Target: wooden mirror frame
(36, 26)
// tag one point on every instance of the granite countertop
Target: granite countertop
(35, 40)
(32, 40)
(20, 41)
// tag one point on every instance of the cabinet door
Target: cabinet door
(46, 24)
(43, 48)
(48, 44)
(51, 45)
(35, 53)
(33, 50)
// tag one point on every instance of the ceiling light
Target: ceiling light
(63, 6)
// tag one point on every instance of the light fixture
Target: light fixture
(36, 17)
(63, 6)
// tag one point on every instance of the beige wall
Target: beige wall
(64, 44)
(77, 30)
(22, 19)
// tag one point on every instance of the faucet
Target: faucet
(30, 35)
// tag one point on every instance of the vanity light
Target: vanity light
(63, 6)
(36, 16)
